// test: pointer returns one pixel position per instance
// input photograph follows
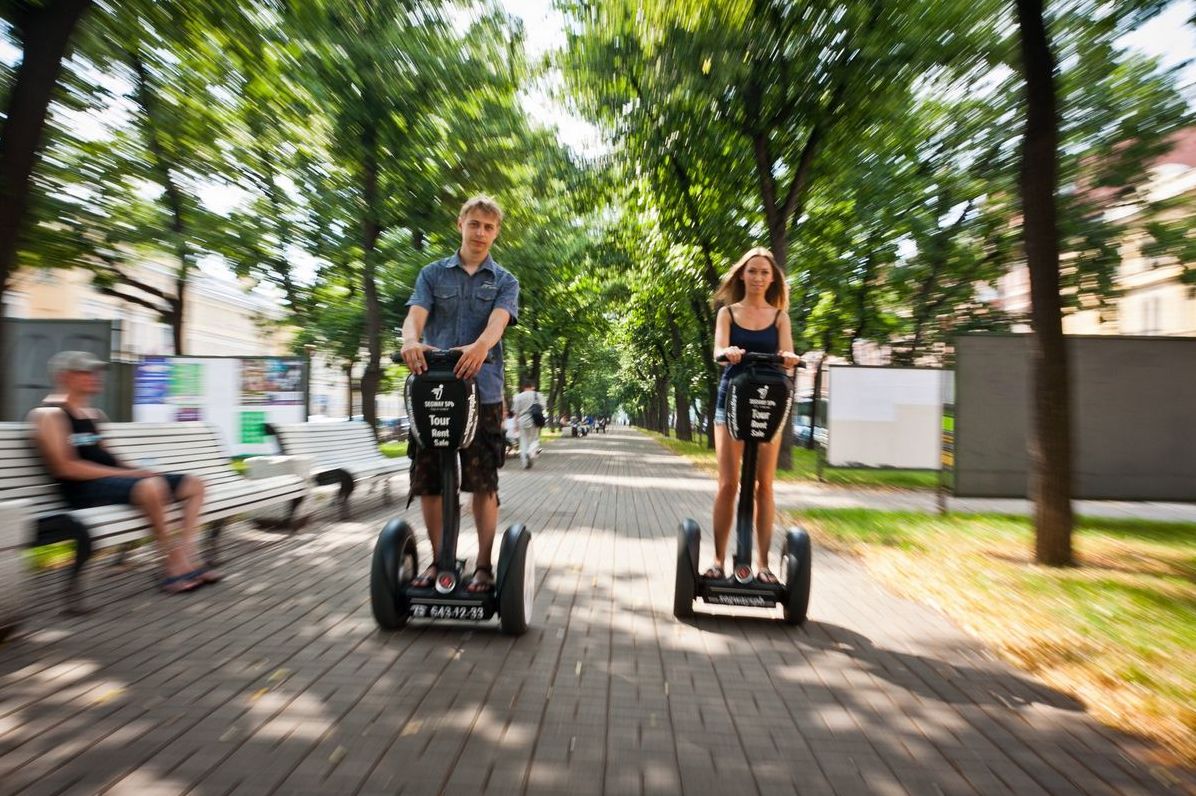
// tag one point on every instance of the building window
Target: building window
(16, 304)
(95, 310)
(1150, 315)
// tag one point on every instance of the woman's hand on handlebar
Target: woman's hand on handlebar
(472, 358)
(413, 356)
(732, 354)
(791, 359)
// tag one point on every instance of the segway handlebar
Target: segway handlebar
(441, 356)
(754, 358)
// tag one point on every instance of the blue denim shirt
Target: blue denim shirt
(459, 307)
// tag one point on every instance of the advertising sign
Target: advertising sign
(237, 396)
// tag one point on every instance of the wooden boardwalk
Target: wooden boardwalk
(276, 680)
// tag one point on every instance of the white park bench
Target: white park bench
(32, 510)
(341, 453)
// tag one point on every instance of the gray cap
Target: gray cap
(73, 361)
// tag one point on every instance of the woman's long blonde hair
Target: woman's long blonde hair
(732, 288)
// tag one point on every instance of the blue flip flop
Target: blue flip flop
(178, 584)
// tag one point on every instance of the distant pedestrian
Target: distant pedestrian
(528, 406)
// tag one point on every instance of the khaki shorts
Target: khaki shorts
(479, 462)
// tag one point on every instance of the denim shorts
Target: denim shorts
(111, 490)
(720, 404)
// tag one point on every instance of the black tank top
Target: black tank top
(758, 341)
(85, 439)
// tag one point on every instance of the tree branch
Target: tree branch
(133, 299)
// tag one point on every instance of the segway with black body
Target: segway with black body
(444, 415)
(758, 402)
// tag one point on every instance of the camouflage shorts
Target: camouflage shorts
(479, 462)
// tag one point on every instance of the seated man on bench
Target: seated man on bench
(88, 475)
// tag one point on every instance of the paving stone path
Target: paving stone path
(276, 680)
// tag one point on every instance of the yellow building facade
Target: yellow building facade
(220, 318)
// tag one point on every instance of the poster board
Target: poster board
(885, 417)
(237, 395)
(1132, 398)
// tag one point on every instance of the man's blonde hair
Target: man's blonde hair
(487, 204)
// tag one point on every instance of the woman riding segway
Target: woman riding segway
(753, 339)
(752, 317)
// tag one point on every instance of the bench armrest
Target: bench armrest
(16, 524)
(16, 532)
(269, 466)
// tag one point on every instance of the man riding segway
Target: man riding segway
(465, 302)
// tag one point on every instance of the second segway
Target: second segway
(444, 414)
(758, 401)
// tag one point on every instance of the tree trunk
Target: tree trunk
(861, 307)
(44, 31)
(177, 310)
(279, 263)
(680, 387)
(1050, 440)
(662, 405)
(705, 318)
(536, 357)
(556, 389)
(711, 402)
(681, 399)
(371, 229)
(160, 164)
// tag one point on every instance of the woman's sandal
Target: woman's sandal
(425, 579)
(765, 576)
(482, 580)
(177, 584)
(714, 573)
(205, 575)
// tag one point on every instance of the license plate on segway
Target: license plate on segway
(435, 609)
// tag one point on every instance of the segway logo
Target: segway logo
(438, 392)
(762, 391)
(745, 601)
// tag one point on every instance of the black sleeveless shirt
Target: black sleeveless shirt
(759, 341)
(85, 439)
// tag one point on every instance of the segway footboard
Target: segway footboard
(729, 591)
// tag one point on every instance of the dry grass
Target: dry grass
(1118, 631)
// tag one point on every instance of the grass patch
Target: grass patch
(393, 450)
(1117, 631)
(805, 467)
(50, 556)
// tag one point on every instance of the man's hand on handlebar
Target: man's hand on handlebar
(732, 354)
(413, 355)
(472, 358)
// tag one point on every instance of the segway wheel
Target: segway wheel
(391, 572)
(689, 541)
(795, 560)
(516, 581)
